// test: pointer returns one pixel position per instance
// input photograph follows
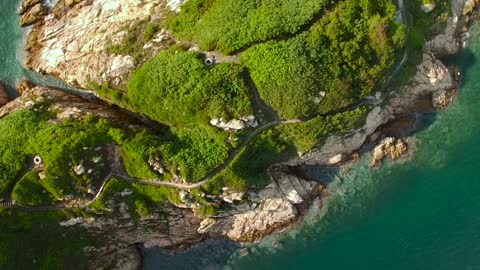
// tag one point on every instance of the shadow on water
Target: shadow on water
(465, 59)
(320, 174)
(211, 254)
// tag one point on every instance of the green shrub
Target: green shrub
(345, 56)
(16, 131)
(30, 191)
(206, 211)
(176, 88)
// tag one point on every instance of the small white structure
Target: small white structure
(38, 161)
(209, 61)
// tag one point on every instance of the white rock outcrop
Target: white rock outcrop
(235, 124)
(75, 45)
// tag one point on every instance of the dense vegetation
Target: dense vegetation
(36, 241)
(342, 59)
(230, 25)
(305, 136)
(176, 88)
(30, 191)
(142, 198)
(249, 167)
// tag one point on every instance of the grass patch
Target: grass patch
(249, 167)
(305, 136)
(229, 25)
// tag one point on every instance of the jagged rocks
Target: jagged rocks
(75, 45)
(391, 147)
(442, 99)
(235, 124)
(33, 14)
(272, 208)
(252, 225)
(442, 45)
(4, 98)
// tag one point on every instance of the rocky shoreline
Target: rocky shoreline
(280, 205)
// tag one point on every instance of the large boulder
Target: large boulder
(391, 147)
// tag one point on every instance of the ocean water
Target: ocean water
(11, 36)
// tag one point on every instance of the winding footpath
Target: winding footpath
(117, 173)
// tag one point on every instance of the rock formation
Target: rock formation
(74, 45)
(271, 208)
(32, 11)
(394, 148)
(4, 98)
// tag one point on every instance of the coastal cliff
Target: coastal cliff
(64, 45)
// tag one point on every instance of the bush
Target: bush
(176, 88)
(16, 131)
(30, 191)
(345, 56)
(206, 211)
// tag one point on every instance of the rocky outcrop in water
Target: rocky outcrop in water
(391, 147)
(272, 208)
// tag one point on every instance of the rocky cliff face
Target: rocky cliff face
(73, 42)
(272, 208)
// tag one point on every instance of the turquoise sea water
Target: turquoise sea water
(10, 42)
